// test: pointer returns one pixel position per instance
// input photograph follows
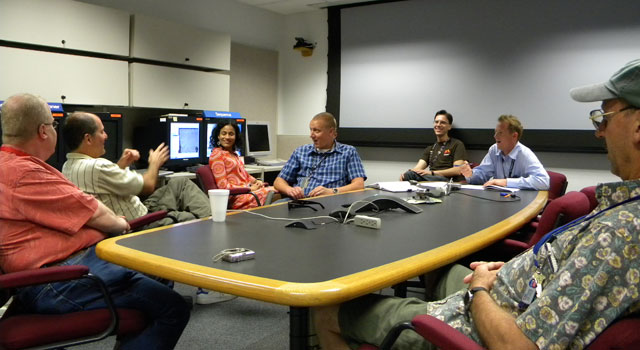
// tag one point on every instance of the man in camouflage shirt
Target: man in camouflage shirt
(587, 277)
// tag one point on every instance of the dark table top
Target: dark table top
(331, 263)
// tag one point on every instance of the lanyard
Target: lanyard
(313, 170)
(554, 233)
(513, 162)
(433, 159)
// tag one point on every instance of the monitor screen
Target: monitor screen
(184, 142)
(210, 127)
(258, 142)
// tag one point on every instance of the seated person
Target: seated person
(228, 169)
(584, 275)
(322, 168)
(443, 158)
(117, 186)
(46, 220)
(508, 162)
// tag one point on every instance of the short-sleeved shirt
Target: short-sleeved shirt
(332, 169)
(42, 214)
(117, 188)
(596, 281)
(441, 155)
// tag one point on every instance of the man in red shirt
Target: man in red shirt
(46, 220)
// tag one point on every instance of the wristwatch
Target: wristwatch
(468, 297)
(335, 190)
(432, 173)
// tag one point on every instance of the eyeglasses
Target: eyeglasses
(54, 123)
(599, 117)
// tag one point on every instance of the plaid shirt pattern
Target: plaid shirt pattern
(332, 169)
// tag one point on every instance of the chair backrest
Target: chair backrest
(557, 184)
(590, 192)
(206, 179)
(560, 211)
(622, 334)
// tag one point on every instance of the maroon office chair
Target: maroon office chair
(590, 192)
(557, 185)
(557, 213)
(140, 222)
(622, 334)
(557, 188)
(20, 329)
(208, 182)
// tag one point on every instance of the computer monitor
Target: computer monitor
(210, 124)
(180, 134)
(184, 140)
(258, 140)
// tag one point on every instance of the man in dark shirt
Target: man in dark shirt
(440, 161)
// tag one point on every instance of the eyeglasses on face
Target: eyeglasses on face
(599, 117)
(54, 123)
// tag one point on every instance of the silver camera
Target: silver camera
(238, 254)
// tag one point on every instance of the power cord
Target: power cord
(512, 197)
(285, 219)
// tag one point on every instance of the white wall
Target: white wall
(303, 80)
(246, 24)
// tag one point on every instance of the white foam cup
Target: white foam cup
(218, 199)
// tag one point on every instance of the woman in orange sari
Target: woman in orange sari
(228, 170)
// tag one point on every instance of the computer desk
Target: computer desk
(327, 265)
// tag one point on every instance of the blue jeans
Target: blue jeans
(167, 312)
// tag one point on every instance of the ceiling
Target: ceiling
(288, 7)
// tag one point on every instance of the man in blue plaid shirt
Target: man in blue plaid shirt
(324, 167)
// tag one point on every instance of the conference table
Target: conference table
(330, 263)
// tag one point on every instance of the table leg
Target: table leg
(298, 328)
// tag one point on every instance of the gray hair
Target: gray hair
(21, 116)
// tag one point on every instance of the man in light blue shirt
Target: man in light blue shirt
(508, 162)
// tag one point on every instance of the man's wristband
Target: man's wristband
(432, 173)
(468, 297)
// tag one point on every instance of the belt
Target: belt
(73, 255)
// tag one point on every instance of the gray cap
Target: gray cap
(625, 84)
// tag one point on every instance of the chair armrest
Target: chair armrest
(147, 219)
(42, 275)
(442, 335)
(239, 190)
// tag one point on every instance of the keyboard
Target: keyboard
(271, 162)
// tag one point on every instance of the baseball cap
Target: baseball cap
(625, 84)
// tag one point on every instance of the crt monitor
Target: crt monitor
(180, 134)
(184, 140)
(211, 124)
(258, 140)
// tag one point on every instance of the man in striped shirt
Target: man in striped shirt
(117, 186)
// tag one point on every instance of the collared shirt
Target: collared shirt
(596, 282)
(115, 187)
(520, 167)
(332, 169)
(42, 214)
